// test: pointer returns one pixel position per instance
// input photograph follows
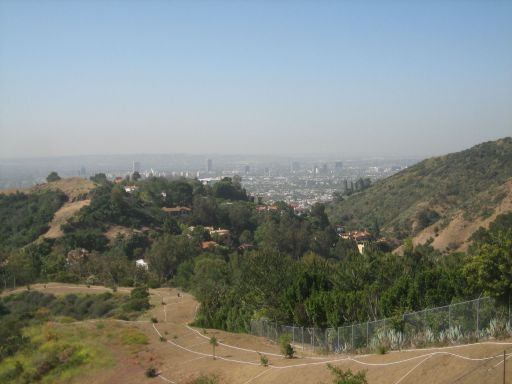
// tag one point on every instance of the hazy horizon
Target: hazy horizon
(284, 78)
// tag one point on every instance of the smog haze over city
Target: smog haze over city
(261, 88)
(409, 79)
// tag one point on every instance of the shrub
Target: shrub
(264, 360)
(133, 336)
(346, 376)
(286, 347)
(151, 372)
(154, 320)
(382, 349)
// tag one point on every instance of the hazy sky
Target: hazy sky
(281, 77)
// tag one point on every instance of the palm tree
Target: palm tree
(213, 343)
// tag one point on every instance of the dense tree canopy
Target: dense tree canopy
(267, 263)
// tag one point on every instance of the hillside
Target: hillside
(40, 210)
(75, 188)
(444, 199)
(121, 351)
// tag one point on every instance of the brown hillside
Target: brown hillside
(75, 188)
(442, 199)
(186, 354)
(456, 234)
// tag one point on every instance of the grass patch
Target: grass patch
(132, 336)
(55, 353)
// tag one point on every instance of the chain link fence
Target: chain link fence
(458, 323)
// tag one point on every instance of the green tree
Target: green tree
(53, 176)
(136, 176)
(214, 343)
(489, 269)
(170, 251)
(99, 178)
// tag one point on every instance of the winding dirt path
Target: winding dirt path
(183, 353)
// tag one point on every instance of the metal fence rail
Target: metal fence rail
(458, 323)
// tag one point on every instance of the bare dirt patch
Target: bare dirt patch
(60, 217)
(117, 230)
(457, 233)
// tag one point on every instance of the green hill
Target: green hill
(444, 198)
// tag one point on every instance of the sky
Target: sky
(387, 78)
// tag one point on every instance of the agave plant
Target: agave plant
(430, 337)
(454, 334)
(498, 328)
(396, 338)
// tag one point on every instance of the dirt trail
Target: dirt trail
(186, 354)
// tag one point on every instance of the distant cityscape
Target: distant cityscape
(300, 181)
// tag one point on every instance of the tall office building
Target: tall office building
(209, 165)
(338, 166)
(136, 166)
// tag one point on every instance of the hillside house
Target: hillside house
(178, 211)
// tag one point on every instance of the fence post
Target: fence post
(449, 316)
(367, 334)
(477, 318)
(353, 349)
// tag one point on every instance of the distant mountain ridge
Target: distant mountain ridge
(442, 199)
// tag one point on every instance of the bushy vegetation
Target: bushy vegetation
(342, 376)
(25, 217)
(51, 355)
(21, 310)
(286, 346)
(33, 346)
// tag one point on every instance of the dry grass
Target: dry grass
(60, 217)
(75, 188)
(182, 366)
(116, 230)
(459, 230)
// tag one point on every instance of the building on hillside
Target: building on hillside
(208, 244)
(220, 232)
(361, 238)
(177, 211)
(265, 208)
(140, 263)
(76, 256)
(245, 247)
(209, 180)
